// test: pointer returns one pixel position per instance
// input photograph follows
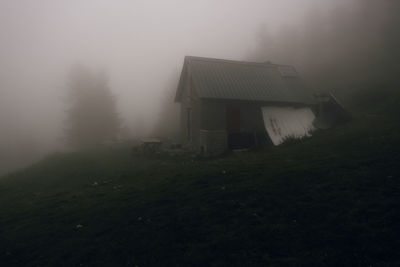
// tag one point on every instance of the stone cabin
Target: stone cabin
(235, 104)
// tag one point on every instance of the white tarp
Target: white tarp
(287, 122)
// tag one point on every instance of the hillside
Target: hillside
(332, 199)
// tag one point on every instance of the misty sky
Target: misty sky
(140, 43)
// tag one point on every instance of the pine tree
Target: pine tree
(92, 115)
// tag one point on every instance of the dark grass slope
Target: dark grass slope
(333, 199)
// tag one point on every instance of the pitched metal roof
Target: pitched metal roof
(238, 80)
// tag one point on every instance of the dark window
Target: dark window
(232, 119)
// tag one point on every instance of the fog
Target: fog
(141, 45)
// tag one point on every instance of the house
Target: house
(235, 104)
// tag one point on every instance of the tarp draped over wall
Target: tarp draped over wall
(287, 122)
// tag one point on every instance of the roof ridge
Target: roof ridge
(229, 61)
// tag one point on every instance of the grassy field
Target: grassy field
(333, 199)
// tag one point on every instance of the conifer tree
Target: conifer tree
(92, 114)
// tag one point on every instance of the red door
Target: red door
(232, 119)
